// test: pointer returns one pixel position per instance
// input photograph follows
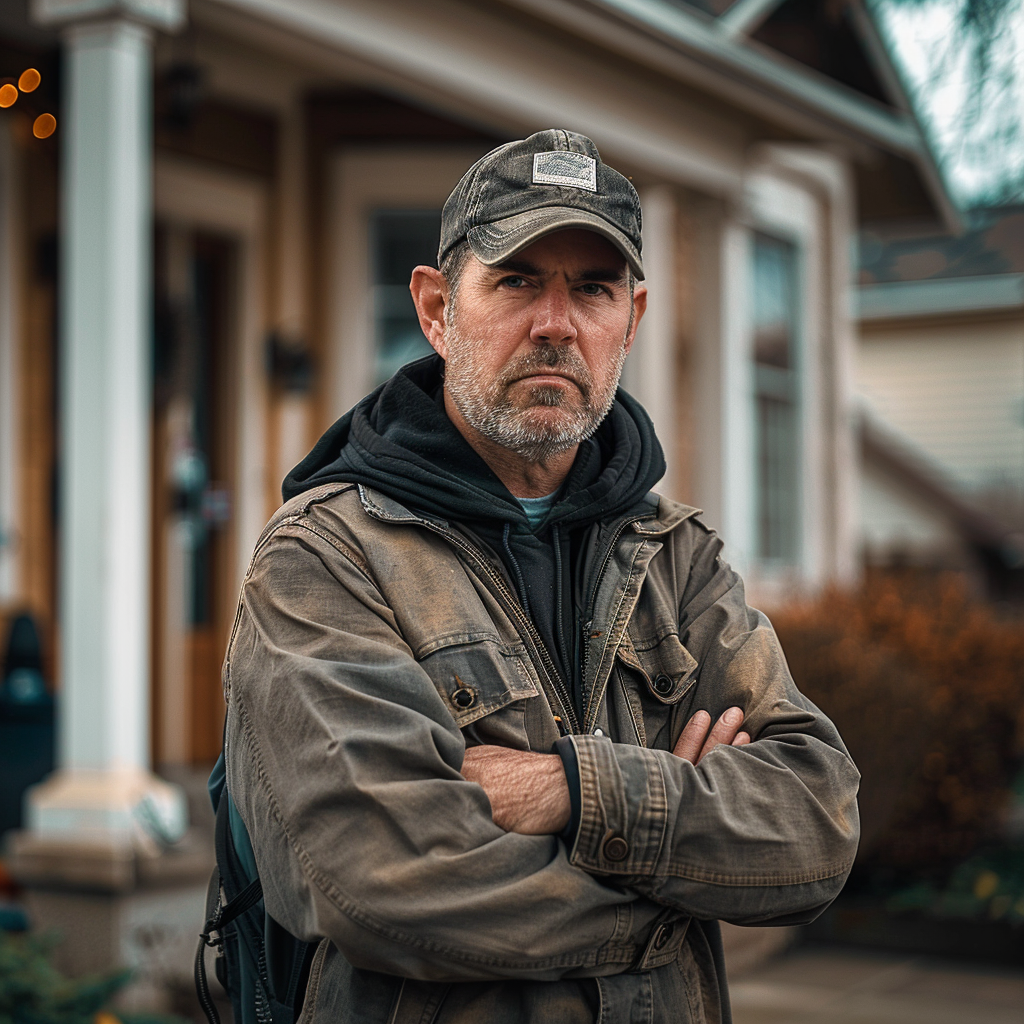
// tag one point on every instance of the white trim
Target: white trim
(736, 423)
(512, 78)
(10, 434)
(661, 33)
(746, 16)
(650, 371)
(362, 180)
(168, 15)
(216, 200)
(783, 209)
(937, 296)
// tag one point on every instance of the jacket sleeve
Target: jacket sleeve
(344, 764)
(764, 833)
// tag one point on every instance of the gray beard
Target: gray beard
(489, 409)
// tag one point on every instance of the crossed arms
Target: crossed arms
(371, 826)
(528, 791)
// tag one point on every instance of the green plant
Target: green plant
(33, 991)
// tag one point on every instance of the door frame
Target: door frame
(196, 197)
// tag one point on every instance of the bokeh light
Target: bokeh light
(8, 94)
(29, 80)
(44, 126)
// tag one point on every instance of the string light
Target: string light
(29, 80)
(44, 126)
(8, 94)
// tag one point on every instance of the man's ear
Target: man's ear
(430, 296)
(639, 308)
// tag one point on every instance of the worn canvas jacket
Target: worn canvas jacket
(372, 645)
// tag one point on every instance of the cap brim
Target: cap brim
(501, 239)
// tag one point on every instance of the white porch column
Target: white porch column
(103, 786)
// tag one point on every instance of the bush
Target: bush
(925, 685)
(33, 991)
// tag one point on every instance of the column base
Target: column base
(92, 871)
(126, 812)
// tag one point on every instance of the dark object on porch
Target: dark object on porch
(26, 720)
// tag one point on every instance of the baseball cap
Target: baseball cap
(524, 190)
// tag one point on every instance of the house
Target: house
(940, 373)
(261, 175)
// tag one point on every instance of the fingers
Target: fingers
(695, 740)
(724, 731)
(691, 739)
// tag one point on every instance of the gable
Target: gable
(828, 38)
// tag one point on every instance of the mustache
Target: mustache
(550, 357)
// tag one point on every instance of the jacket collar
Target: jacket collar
(379, 505)
(670, 514)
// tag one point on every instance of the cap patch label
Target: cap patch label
(560, 168)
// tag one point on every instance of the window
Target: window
(399, 241)
(777, 400)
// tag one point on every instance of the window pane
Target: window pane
(776, 397)
(399, 241)
(774, 301)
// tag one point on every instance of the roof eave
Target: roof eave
(702, 53)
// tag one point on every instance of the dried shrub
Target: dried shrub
(926, 686)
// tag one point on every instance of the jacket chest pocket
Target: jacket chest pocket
(485, 684)
(656, 681)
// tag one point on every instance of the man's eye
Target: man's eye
(514, 281)
(591, 288)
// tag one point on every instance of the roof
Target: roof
(826, 60)
(801, 70)
(884, 447)
(993, 244)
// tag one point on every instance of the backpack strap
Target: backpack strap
(218, 916)
(248, 897)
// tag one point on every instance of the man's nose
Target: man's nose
(552, 322)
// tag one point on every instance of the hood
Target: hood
(399, 440)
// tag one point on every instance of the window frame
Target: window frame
(364, 180)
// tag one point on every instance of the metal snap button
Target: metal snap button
(616, 848)
(665, 933)
(599, 732)
(663, 684)
(464, 697)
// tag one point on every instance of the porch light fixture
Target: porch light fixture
(44, 126)
(29, 80)
(8, 94)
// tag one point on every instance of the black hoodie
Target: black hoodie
(400, 440)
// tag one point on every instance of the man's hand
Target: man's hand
(527, 790)
(695, 740)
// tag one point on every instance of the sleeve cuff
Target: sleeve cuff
(567, 752)
(623, 808)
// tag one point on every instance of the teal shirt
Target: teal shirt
(537, 508)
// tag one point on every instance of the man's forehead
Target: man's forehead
(573, 253)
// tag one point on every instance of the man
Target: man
(505, 735)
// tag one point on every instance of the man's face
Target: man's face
(534, 347)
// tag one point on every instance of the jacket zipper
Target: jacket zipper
(592, 597)
(568, 713)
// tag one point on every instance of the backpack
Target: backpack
(261, 966)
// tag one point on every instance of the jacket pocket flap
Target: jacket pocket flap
(478, 678)
(669, 667)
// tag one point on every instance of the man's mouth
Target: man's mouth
(548, 376)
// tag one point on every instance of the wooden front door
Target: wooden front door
(194, 402)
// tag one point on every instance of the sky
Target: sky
(978, 137)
